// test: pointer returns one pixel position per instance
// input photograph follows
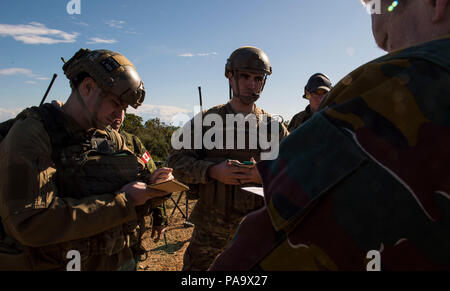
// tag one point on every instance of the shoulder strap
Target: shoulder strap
(55, 126)
(7, 125)
(117, 138)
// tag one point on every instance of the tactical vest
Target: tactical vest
(228, 200)
(92, 164)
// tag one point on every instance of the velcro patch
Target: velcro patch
(146, 157)
(110, 64)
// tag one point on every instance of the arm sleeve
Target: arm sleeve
(292, 123)
(140, 150)
(189, 167)
(30, 208)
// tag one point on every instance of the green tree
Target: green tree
(132, 123)
(154, 134)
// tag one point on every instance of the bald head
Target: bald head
(410, 22)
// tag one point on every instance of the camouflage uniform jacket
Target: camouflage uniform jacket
(190, 166)
(136, 146)
(300, 118)
(45, 214)
(380, 178)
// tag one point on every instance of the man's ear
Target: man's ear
(87, 87)
(439, 8)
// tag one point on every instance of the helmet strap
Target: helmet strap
(238, 93)
(91, 117)
(98, 104)
(87, 113)
(264, 83)
(236, 80)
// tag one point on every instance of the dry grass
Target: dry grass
(167, 254)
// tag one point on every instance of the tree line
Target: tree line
(154, 134)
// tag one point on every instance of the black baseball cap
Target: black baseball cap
(318, 81)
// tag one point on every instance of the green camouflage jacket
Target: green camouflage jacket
(136, 146)
(190, 166)
(372, 175)
(300, 118)
(60, 191)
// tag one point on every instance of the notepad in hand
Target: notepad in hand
(169, 186)
(255, 190)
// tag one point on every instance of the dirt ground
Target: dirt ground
(167, 253)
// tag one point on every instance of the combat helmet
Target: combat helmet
(249, 59)
(112, 72)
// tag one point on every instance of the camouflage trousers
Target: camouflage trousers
(210, 238)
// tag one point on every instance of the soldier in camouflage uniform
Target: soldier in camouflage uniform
(315, 90)
(372, 179)
(66, 183)
(222, 203)
(134, 144)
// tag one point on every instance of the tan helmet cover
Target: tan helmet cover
(112, 72)
(248, 58)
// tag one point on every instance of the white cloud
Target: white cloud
(167, 114)
(208, 54)
(75, 21)
(198, 55)
(120, 25)
(36, 33)
(16, 71)
(115, 23)
(186, 55)
(23, 71)
(100, 40)
(6, 114)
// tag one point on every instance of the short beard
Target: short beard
(248, 100)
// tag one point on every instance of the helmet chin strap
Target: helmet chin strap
(91, 117)
(245, 99)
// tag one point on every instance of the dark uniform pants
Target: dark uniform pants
(212, 233)
(204, 247)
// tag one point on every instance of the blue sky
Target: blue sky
(178, 45)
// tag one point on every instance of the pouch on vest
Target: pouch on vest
(97, 173)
